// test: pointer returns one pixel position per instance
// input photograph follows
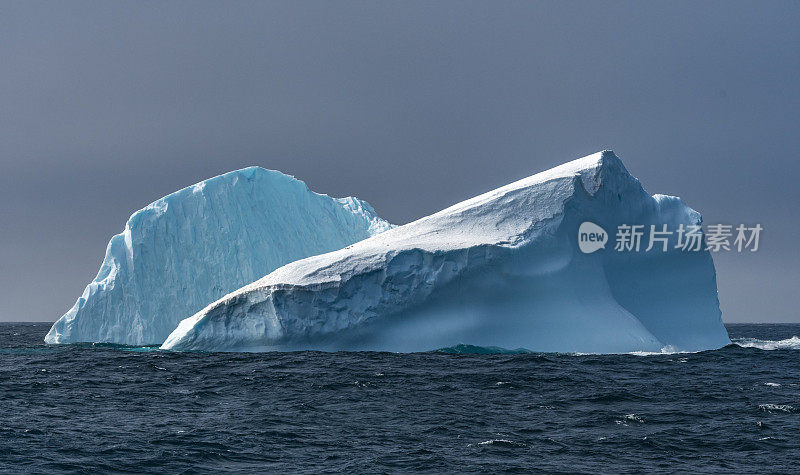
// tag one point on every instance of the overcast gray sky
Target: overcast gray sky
(412, 106)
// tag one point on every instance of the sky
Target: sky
(411, 106)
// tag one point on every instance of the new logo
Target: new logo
(591, 237)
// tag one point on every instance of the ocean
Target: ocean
(90, 408)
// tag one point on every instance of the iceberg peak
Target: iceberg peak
(201, 242)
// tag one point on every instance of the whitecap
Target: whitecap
(629, 418)
(500, 443)
(792, 343)
(776, 408)
(667, 350)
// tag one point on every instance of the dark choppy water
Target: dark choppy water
(85, 408)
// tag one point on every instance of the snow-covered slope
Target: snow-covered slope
(501, 269)
(197, 244)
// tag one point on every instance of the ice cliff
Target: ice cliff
(502, 269)
(197, 244)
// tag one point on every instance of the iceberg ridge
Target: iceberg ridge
(499, 270)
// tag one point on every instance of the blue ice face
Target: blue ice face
(192, 247)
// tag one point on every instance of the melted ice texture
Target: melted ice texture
(502, 269)
(197, 244)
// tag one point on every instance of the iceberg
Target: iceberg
(502, 269)
(198, 244)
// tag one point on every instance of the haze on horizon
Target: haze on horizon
(411, 106)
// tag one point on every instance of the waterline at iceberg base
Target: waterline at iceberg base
(502, 269)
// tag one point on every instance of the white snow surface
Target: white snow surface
(195, 245)
(502, 269)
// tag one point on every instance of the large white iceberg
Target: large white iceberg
(197, 244)
(502, 269)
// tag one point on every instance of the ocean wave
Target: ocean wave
(499, 443)
(792, 343)
(667, 350)
(462, 349)
(777, 408)
(632, 418)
